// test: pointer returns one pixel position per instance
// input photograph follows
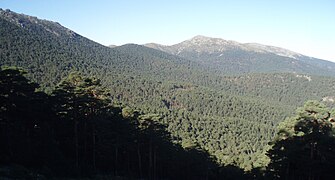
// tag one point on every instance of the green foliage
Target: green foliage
(76, 133)
(305, 145)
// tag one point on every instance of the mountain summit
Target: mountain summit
(234, 57)
(210, 45)
(198, 44)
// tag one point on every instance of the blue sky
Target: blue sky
(304, 26)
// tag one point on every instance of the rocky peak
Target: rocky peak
(31, 22)
(200, 38)
(205, 44)
(272, 49)
(203, 40)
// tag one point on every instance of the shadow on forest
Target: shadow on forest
(73, 133)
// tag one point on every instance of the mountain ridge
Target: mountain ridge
(201, 40)
(234, 57)
(27, 22)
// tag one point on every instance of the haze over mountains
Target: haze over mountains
(224, 97)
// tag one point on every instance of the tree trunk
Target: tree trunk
(150, 159)
(85, 154)
(139, 160)
(128, 163)
(155, 160)
(288, 171)
(76, 143)
(94, 148)
(312, 159)
(115, 162)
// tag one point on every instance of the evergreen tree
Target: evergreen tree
(305, 145)
(80, 102)
(24, 120)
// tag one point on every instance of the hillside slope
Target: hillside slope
(49, 51)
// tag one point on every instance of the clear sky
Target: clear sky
(304, 26)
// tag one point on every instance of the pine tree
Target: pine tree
(305, 145)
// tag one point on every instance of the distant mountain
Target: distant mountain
(234, 57)
(203, 44)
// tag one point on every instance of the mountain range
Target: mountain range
(222, 96)
(234, 57)
(203, 44)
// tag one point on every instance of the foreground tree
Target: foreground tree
(80, 102)
(305, 145)
(24, 120)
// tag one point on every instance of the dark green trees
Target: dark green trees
(79, 102)
(76, 132)
(26, 119)
(305, 145)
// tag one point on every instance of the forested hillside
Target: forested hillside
(232, 117)
(76, 132)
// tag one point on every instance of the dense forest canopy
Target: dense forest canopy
(77, 131)
(148, 108)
